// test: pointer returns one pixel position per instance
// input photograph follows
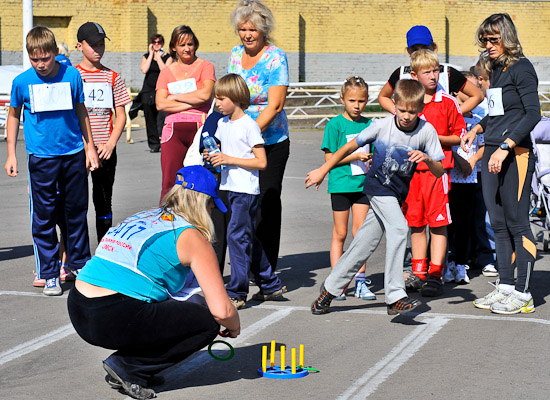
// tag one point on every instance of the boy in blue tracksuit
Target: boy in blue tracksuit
(51, 97)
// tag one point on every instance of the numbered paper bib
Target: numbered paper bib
(98, 95)
(358, 167)
(50, 97)
(184, 86)
(122, 244)
(494, 102)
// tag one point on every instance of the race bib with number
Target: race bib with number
(50, 97)
(183, 86)
(98, 95)
(494, 102)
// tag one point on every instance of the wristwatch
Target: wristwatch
(505, 146)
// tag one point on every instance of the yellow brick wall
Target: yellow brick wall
(331, 26)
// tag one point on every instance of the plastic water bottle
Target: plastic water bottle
(210, 144)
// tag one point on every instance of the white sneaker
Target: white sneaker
(461, 276)
(52, 287)
(489, 270)
(362, 290)
(514, 303)
(494, 297)
(450, 272)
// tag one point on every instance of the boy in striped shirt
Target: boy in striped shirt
(104, 92)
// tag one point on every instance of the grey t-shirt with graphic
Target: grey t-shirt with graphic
(391, 170)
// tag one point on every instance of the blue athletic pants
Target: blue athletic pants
(240, 241)
(58, 185)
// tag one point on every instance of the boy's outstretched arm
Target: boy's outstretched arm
(316, 176)
(435, 167)
(12, 129)
(84, 122)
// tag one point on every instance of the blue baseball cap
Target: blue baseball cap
(199, 179)
(419, 34)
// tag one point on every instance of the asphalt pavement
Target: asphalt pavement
(447, 349)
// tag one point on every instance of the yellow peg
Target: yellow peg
(272, 355)
(264, 358)
(293, 357)
(283, 358)
(302, 356)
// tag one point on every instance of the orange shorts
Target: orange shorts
(428, 200)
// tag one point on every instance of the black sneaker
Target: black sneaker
(413, 283)
(131, 389)
(278, 294)
(432, 288)
(322, 304)
(238, 302)
(403, 306)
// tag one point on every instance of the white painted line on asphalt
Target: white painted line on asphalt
(490, 317)
(399, 355)
(36, 344)
(29, 294)
(423, 315)
(192, 364)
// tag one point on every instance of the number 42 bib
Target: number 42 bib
(98, 95)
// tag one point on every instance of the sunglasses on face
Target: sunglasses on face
(157, 42)
(492, 40)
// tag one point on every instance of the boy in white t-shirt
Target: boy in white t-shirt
(243, 155)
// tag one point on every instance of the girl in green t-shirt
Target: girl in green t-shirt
(346, 180)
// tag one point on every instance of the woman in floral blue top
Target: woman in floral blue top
(264, 67)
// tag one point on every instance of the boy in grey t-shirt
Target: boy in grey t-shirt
(400, 142)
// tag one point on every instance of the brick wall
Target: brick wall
(325, 40)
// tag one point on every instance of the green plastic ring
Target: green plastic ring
(215, 357)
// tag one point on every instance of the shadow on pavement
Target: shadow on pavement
(11, 253)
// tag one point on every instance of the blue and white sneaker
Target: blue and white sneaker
(450, 272)
(53, 287)
(362, 290)
(461, 276)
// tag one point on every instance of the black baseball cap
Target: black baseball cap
(91, 32)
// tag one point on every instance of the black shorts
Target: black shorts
(344, 201)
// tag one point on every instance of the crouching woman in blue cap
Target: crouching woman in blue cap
(122, 297)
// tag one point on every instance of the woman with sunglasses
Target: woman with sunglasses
(152, 62)
(508, 162)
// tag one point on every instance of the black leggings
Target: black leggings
(268, 221)
(103, 180)
(148, 337)
(507, 196)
